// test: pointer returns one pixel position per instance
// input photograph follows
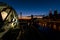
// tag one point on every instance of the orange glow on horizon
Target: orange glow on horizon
(29, 17)
(25, 17)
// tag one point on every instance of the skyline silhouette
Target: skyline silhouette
(34, 7)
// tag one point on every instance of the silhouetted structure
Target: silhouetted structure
(8, 19)
(55, 13)
(31, 16)
(20, 15)
(50, 14)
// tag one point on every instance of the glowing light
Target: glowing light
(4, 14)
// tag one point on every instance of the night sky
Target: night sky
(35, 7)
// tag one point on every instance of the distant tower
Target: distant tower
(31, 16)
(55, 13)
(50, 13)
(20, 15)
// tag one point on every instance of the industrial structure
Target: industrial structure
(8, 18)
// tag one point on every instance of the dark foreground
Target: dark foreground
(32, 32)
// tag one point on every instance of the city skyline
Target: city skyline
(34, 7)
